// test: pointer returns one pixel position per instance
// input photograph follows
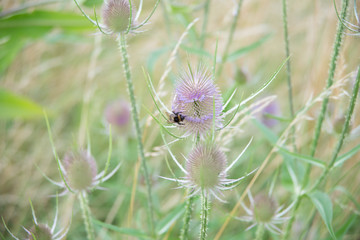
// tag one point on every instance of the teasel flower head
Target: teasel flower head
(116, 15)
(118, 115)
(79, 173)
(198, 99)
(40, 231)
(206, 171)
(264, 210)
(80, 168)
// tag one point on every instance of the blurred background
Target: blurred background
(52, 58)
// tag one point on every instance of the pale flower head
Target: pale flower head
(116, 15)
(206, 171)
(264, 210)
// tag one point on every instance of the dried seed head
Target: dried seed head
(206, 166)
(264, 208)
(116, 14)
(118, 115)
(80, 170)
(196, 96)
(40, 232)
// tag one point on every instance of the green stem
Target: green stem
(292, 218)
(288, 69)
(84, 204)
(206, 16)
(330, 80)
(135, 117)
(230, 37)
(260, 232)
(204, 216)
(187, 217)
(343, 132)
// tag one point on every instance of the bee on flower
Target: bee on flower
(199, 101)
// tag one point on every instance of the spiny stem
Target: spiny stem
(204, 216)
(134, 112)
(288, 69)
(330, 80)
(231, 36)
(187, 217)
(343, 132)
(84, 204)
(260, 232)
(206, 15)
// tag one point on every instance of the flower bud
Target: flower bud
(206, 165)
(264, 208)
(40, 232)
(116, 14)
(80, 170)
(118, 115)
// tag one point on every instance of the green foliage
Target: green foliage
(323, 204)
(13, 106)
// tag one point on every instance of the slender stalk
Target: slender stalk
(287, 52)
(230, 37)
(206, 16)
(260, 232)
(134, 112)
(84, 204)
(204, 216)
(288, 69)
(343, 132)
(330, 80)
(187, 218)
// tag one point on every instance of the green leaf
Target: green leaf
(323, 204)
(14, 106)
(38, 23)
(164, 225)
(305, 158)
(8, 52)
(244, 50)
(125, 231)
(92, 3)
(345, 228)
(340, 160)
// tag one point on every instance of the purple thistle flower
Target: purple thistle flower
(196, 96)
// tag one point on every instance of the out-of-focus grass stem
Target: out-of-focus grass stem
(205, 22)
(288, 68)
(329, 83)
(230, 37)
(134, 112)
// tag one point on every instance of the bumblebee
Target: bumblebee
(177, 117)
